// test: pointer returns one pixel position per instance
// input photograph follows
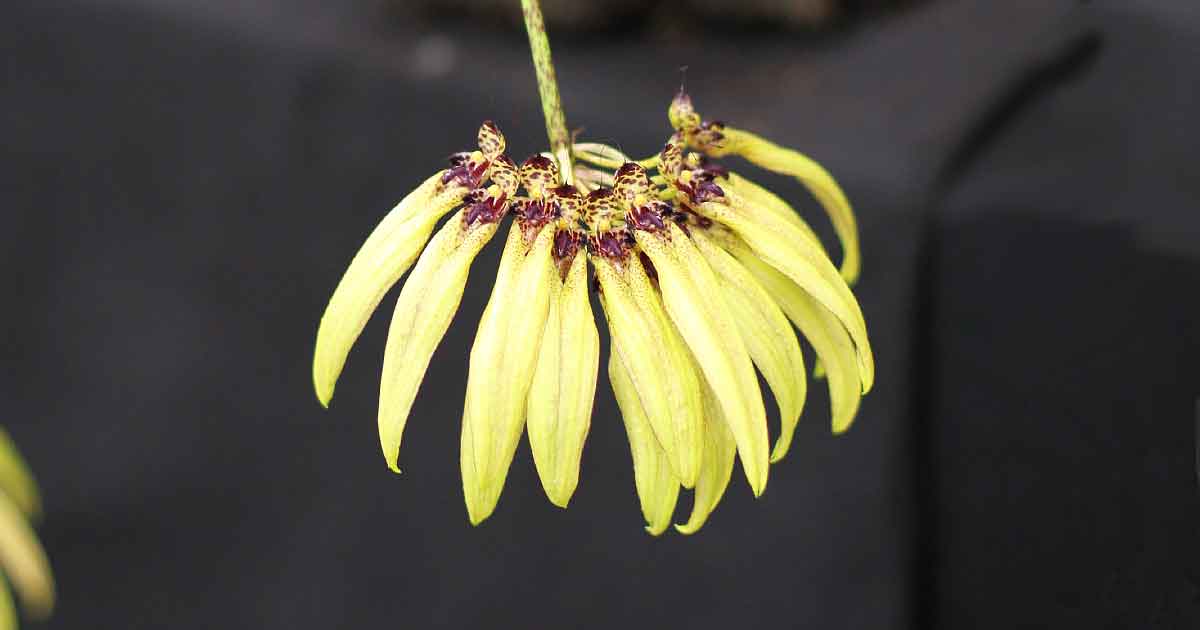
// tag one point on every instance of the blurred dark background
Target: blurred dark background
(183, 182)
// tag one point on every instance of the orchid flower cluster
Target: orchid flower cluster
(702, 276)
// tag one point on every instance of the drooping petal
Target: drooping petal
(8, 609)
(24, 562)
(427, 303)
(720, 450)
(694, 301)
(657, 360)
(564, 385)
(16, 480)
(826, 334)
(768, 335)
(656, 483)
(503, 359)
(813, 176)
(783, 247)
(387, 253)
(770, 202)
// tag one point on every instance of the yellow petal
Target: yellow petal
(384, 257)
(426, 305)
(815, 178)
(8, 610)
(768, 335)
(658, 361)
(564, 385)
(828, 337)
(16, 480)
(503, 359)
(770, 202)
(24, 561)
(656, 483)
(719, 452)
(694, 301)
(784, 248)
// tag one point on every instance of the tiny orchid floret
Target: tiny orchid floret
(702, 277)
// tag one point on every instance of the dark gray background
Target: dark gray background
(183, 183)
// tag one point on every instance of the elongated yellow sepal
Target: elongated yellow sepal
(694, 301)
(387, 253)
(656, 483)
(426, 306)
(564, 385)
(16, 480)
(785, 248)
(657, 360)
(8, 609)
(24, 562)
(720, 450)
(503, 359)
(826, 334)
(768, 335)
(770, 202)
(813, 176)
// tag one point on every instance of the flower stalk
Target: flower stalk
(556, 120)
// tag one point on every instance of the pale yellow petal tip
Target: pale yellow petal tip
(840, 428)
(850, 271)
(323, 389)
(477, 514)
(656, 530)
(392, 464)
(780, 451)
(690, 482)
(559, 497)
(689, 528)
(758, 487)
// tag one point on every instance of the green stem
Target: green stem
(556, 121)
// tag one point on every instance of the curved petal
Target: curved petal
(694, 301)
(768, 334)
(8, 609)
(828, 337)
(720, 450)
(657, 360)
(656, 483)
(16, 480)
(387, 253)
(770, 202)
(783, 247)
(426, 306)
(503, 359)
(564, 385)
(815, 178)
(24, 561)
